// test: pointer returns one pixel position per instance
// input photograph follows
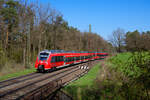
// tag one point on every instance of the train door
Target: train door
(64, 60)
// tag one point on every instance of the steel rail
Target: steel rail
(14, 90)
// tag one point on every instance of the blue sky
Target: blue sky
(104, 15)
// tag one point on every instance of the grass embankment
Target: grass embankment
(121, 77)
(89, 78)
(18, 73)
(79, 88)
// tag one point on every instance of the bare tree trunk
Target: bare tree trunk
(33, 52)
(39, 44)
(24, 56)
(6, 44)
(28, 46)
(45, 43)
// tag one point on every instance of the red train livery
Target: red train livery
(51, 59)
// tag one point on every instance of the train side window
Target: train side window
(74, 58)
(82, 57)
(70, 58)
(66, 59)
(79, 58)
(61, 58)
(58, 58)
(53, 59)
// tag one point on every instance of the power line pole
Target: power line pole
(90, 28)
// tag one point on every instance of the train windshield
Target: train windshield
(43, 56)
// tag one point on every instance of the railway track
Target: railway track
(22, 87)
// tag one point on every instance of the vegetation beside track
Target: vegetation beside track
(121, 77)
(79, 87)
(88, 78)
(16, 74)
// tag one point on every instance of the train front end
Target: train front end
(42, 62)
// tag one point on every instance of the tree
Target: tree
(133, 40)
(117, 39)
(145, 40)
(9, 14)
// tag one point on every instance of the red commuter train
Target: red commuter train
(48, 60)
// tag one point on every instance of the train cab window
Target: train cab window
(43, 56)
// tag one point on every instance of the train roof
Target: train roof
(62, 51)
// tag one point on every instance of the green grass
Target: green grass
(16, 74)
(88, 79)
(120, 59)
(120, 63)
(78, 88)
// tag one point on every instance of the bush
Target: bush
(136, 67)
